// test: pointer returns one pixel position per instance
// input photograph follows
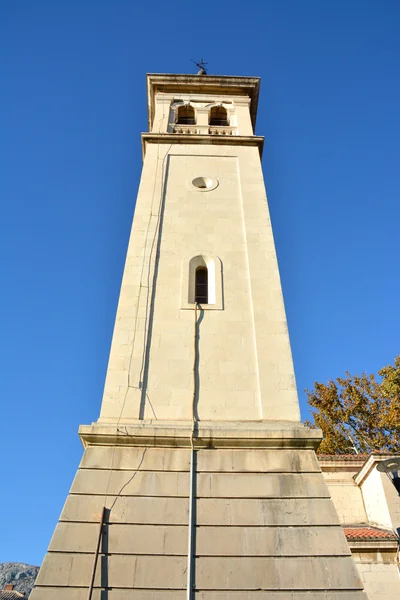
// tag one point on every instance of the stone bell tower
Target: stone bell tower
(198, 480)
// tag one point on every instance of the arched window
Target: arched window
(201, 285)
(186, 115)
(202, 282)
(219, 116)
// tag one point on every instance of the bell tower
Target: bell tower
(198, 480)
(201, 209)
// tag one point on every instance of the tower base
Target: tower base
(236, 511)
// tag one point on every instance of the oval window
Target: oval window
(205, 183)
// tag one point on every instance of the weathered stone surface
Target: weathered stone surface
(264, 485)
(271, 541)
(210, 511)
(70, 593)
(127, 509)
(119, 458)
(81, 594)
(240, 530)
(120, 539)
(258, 461)
(381, 581)
(279, 595)
(245, 540)
(225, 541)
(221, 434)
(178, 459)
(131, 483)
(127, 571)
(276, 573)
(270, 511)
(223, 485)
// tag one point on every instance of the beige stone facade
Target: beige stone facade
(198, 480)
(244, 356)
(265, 525)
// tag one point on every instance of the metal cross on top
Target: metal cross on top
(201, 64)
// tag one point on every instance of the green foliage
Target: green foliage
(358, 413)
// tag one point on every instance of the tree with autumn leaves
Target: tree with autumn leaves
(358, 413)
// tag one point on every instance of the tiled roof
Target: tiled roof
(368, 533)
(11, 595)
(352, 456)
(342, 456)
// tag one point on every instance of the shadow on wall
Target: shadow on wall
(149, 317)
(104, 555)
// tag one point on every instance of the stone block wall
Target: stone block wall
(363, 496)
(381, 581)
(264, 527)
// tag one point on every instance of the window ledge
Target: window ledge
(191, 306)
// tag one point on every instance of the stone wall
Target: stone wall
(371, 501)
(264, 527)
(381, 581)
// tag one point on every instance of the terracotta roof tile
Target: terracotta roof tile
(353, 456)
(342, 456)
(368, 533)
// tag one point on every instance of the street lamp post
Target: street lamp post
(391, 467)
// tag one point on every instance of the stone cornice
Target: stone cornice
(207, 140)
(369, 465)
(361, 465)
(373, 545)
(335, 464)
(206, 84)
(222, 434)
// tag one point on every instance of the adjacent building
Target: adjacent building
(368, 507)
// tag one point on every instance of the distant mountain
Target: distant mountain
(22, 576)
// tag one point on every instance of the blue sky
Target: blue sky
(73, 104)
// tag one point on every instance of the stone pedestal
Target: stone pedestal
(262, 522)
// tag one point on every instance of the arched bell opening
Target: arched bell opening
(186, 115)
(219, 116)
